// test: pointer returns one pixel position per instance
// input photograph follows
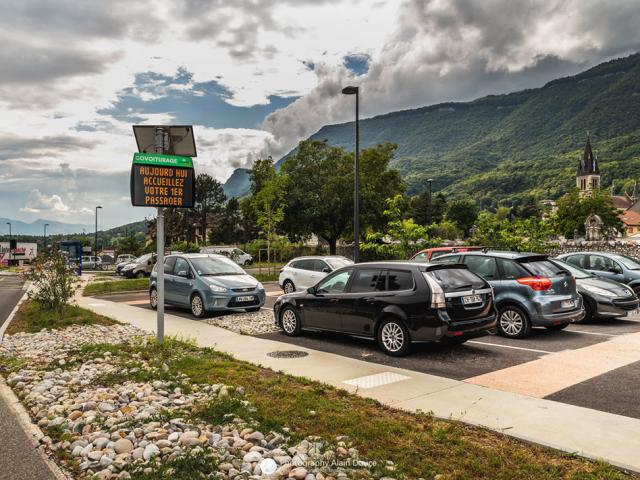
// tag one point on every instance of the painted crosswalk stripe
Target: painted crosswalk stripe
(376, 380)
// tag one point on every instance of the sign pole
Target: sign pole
(160, 249)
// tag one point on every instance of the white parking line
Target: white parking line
(509, 346)
(596, 333)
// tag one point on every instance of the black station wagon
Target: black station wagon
(396, 303)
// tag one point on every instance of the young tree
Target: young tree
(574, 209)
(130, 244)
(463, 213)
(54, 282)
(269, 206)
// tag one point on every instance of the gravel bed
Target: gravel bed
(115, 429)
(249, 323)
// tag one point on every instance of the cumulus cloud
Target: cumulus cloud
(37, 202)
(456, 50)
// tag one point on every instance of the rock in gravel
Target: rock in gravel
(252, 457)
(123, 445)
(150, 451)
(298, 473)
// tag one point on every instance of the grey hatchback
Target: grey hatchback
(529, 290)
(613, 266)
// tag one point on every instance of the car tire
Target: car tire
(197, 306)
(252, 309)
(290, 321)
(394, 338)
(140, 275)
(288, 287)
(588, 311)
(513, 322)
(153, 298)
(562, 326)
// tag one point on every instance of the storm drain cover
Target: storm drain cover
(287, 354)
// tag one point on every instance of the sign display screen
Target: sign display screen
(162, 181)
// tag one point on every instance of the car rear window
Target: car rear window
(455, 279)
(544, 268)
(399, 280)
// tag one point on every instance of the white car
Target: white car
(240, 257)
(304, 272)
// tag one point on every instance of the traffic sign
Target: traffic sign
(162, 181)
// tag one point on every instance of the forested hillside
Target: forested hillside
(510, 146)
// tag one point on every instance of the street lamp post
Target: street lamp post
(429, 181)
(356, 190)
(45, 236)
(10, 238)
(95, 242)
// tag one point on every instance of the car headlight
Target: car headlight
(600, 291)
(260, 286)
(217, 288)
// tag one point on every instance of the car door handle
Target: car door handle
(334, 300)
(370, 299)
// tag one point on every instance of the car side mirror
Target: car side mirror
(183, 273)
(312, 290)
(326, 270)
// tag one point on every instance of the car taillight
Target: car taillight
(438, 299)
(535, 283)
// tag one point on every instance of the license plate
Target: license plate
(247, 298)
(567, 304)
(468, 299)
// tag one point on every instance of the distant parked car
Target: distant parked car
(530, 290)
(125, 257)
(241, 257)
(140, 267)
(620, 268)
(429, 254)
(107, 259)
(304, 272)
(602, 298)
(395, 303)
(207, 283)
(89, 262)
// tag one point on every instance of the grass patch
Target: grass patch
(188, 467)
(31, 318)
(418, 444)
(125, 285)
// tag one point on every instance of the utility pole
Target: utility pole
(160, 148)
(356, 187)
(95, 238)
(45, 236)
(10, 238)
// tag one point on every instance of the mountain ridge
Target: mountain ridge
(506, 147)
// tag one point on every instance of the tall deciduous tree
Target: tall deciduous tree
(210, 200)
(320, 190)
(463, 213)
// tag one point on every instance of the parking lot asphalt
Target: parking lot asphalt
(615, 391)
(10, 292)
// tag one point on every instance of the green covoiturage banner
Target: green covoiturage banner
(164, 160)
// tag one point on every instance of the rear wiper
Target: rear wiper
(565, 272)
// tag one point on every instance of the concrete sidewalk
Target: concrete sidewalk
(590, 433)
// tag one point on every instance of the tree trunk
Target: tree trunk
(332, 245)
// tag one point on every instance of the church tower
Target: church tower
(588, 178)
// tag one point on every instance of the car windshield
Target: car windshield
(575, 271)
(143, 258)
(216, 266)
(336, 263)
(629, 262)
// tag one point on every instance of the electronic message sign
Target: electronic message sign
(166, 181)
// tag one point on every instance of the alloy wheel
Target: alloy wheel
(289, 321)
(288, 287)
(153, 298)
(196, 305)
(511, 322)
(392, 336)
